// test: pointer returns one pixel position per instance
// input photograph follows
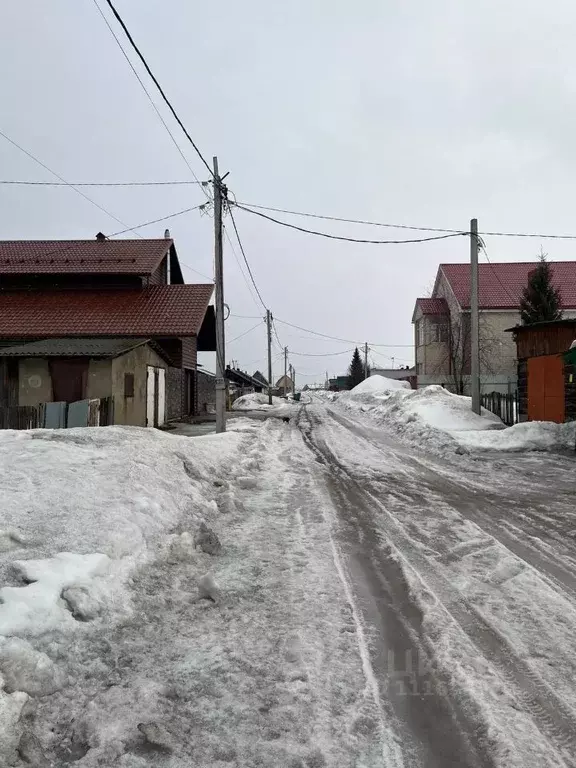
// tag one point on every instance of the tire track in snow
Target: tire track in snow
(430, 729)
(554, 718)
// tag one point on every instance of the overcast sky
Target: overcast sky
(421, 113)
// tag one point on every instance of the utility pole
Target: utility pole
(219, 307)
(474, 318)
(269, 329)
(285, 369)
(366, 360)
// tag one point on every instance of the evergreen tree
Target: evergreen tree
(356, 370)
(540, 299)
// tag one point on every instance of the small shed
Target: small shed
(546, 371)
(130, 373)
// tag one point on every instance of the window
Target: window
(439, 333)
(128, 385)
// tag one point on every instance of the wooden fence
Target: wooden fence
(503, 405)
(100, 413)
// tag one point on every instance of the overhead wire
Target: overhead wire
(337, 338)
(243, 252)
(248, 206)
(258, 325)
(482, 245)
(347, 239)
(157, 84)
(156, 221)
(150, 99)
(62, 179)
(102, 183)
(240, 267)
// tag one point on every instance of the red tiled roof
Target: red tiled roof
(432, 306)
(500, 285)
(161, 310)
(132, 257)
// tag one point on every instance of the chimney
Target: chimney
(100, 237)
(167, 234)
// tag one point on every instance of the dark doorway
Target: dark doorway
(69, 377)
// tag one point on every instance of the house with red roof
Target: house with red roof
(82, 320)
(442, 323)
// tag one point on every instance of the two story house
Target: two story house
(87, 319)
(442, 323)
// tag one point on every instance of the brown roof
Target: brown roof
(500, 285)
(161, 310)
(131, 257)
(432, 306)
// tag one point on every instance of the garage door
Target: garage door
(546, 388)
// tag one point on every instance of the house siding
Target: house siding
(175, 405)
(160, 275)
(205, 392)
(34, 381)
(99, 382)
(132, 410)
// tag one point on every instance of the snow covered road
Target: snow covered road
(376, 605)
(463, 570)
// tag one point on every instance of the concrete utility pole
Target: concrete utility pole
(269, 329)
(293, 380)
(285, 369)
(219, 306)
(366, 360)
(474, 318)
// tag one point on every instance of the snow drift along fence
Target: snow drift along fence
(503, 405)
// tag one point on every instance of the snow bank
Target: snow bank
(431, 416)
(257, 402)
(81, 509)
(376, 385)
(528, 436)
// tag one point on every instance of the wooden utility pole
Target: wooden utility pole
(474, 318)
(366, 360)
(269, 329)
(285, 369)
(219, 305)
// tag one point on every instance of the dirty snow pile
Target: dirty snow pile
(258, 401)
(527, 436)
(82, 510)
(431, 416)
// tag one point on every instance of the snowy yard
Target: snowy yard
(387, 580)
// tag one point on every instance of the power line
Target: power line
(247, 317)
(348, 239)
(63, 180)
(150, 99)
(337, 338)
(157, 84)
(402, 226)
(327, 354)
(102, 183)
(245, 259)
(258, 325)
(515, 299)
(156, 221)
(351, 221)
(248, 284)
